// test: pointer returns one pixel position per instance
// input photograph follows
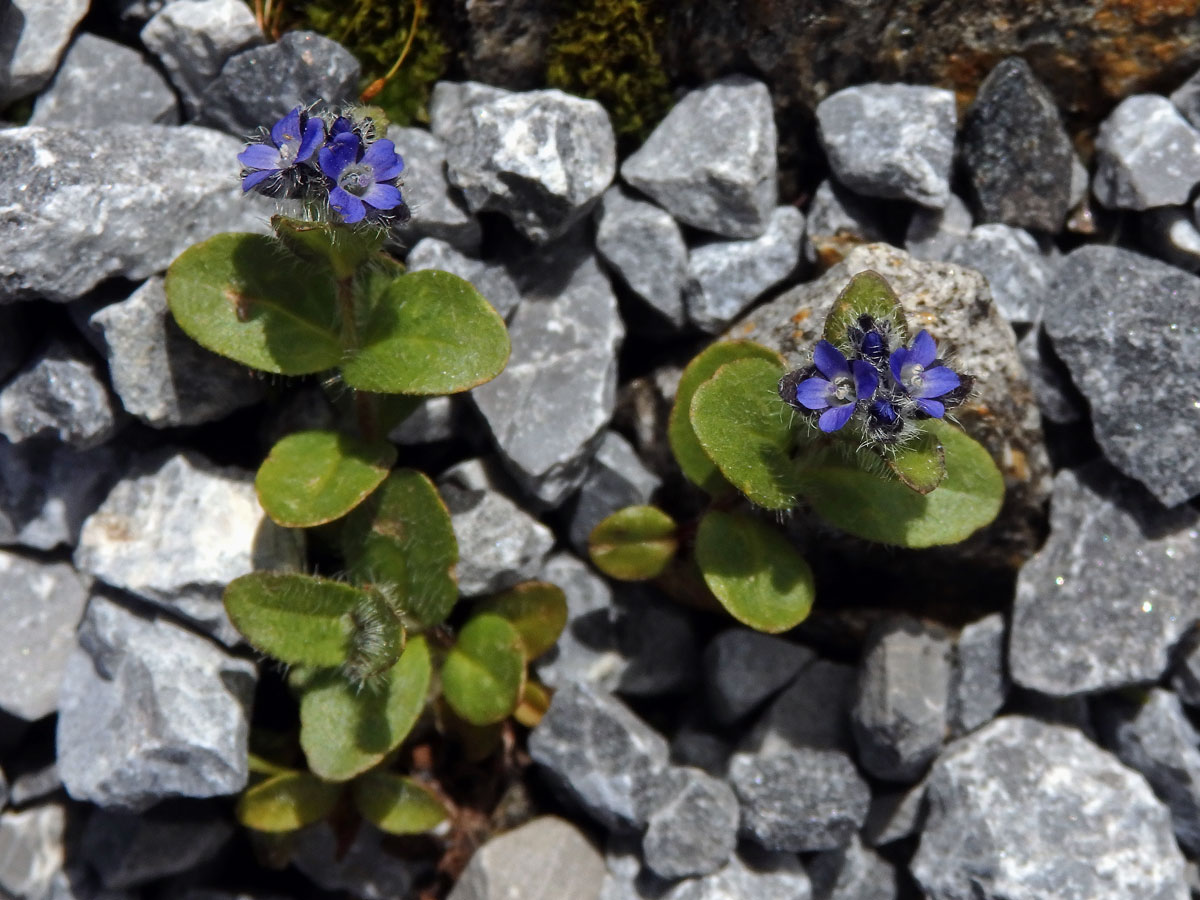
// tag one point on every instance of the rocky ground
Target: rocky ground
(1013, 717)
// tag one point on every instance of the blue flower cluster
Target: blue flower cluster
(332, 159)
(882, 388)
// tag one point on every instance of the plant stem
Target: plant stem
(378, 84)
(365, 408)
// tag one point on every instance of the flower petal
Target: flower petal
(256, 178)
(383, 196)
(829, 360)
(866, 379)
(896, 364)
(314, 134)
(341, 125)
(813, 393)
(937, 381)
(287, 128)
(345, 204)
(835, 417)
(339, 153)
(382, 157)
(924, 348)
(934, 408)
(259, 156)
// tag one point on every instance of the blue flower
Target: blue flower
(294, 139)
(838, 392)
(915, 373)
(362, 176)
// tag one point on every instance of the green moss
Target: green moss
(608, 50)
(375, 32)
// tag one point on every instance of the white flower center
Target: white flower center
(843, 388)
(356, 179)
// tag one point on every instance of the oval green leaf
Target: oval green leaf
(485, 670)
(313, 477)
(868, 293)
(298, 619)
(537, 609)
(921, 465)
(428, 332)
(690, 456)
(397, 804)
(634, 543)
(287, 802)
(746, 430)
(403, 538)
(343, 248)
(233, 295)
(755, 573)
(346, 729)
(879, 509)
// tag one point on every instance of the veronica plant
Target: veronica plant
(859, 436)
(368, 651)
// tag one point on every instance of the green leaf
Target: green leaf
(746, 430)
(396, 804)
(287, 802)
(313, 477)
(537, 609)
(868, 293)
(232, 295)
(429, 332)
(535, 703)
(346, 729)
(864, 504)
(755, 573)
(298, 619)
(634, 543)
(921, 465)
(341, 247)
(692, 459)
(484, 671)
(404, 538)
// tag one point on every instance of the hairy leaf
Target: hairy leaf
(298, 619)
(341, 247)
(868, 293)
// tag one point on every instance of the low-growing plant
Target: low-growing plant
(859, 437)
(365, 651)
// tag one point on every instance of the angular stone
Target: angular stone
(540, 158)
(548, 409)
(742, 668)
(726, 277)
(503, 868)
(1057, 398)
(177, 529)
(643, 411)
(1146, 155)
(35, 35)
(1024, 809)
(499, 544)
(436, 419)
(161, 375)
(150, 711)
(101, 82)
(644, 246)
(774, 876)
(36, 784)
(617, 478)
(1002, 414)
(81, 207)
(31, 849)
(838, 221)
(799, 800)
(1017, 270)
(694, 831)
(711, 163)
(450, 105)
(1102, 604)
(43, 603)
(58, 395)
(894, 815)
(813, 711)
(1017, 152)
(439, 210)
(365, 869)
(894, 141)
(47, 489)
(1156, 738)
(490, 279)
(1171, 233)
(1186, 98)
(700, 749)
(854, 872)
(899, 717)
(259, 86)
(1138, 364)
(601, 754)
(932, 233)
(130, 849)
(1186, 677)
(195, 38)
(978, 683)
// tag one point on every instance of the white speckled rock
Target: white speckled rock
(36, 34)
(1147, 155)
